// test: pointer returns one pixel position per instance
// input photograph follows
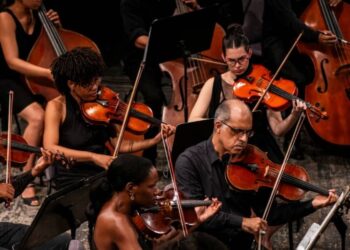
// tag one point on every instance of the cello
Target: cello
(198, 72)
(330, 88)
(51, 43)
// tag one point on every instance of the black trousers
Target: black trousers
(11, 234)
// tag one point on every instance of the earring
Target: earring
(132, 196)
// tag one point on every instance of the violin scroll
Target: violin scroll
(21, 151)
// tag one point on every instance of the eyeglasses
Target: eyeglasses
(239, 60)
(238, 131)
(91, 84)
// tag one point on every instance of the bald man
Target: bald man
(200, 172)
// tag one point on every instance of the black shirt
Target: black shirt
(200, 173)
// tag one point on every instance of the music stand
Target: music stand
(194, 132)
(314, 232)
(60, 212)
(180, 36)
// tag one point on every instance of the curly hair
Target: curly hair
(81, 65)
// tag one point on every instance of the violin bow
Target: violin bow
(128, 108)
(9, 140)
(280, 174)
(277, 72)
(173, 180)
(291, 144)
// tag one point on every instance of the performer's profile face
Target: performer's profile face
(145, 191)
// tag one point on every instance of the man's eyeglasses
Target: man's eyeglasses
(238, 131)
(239, 60)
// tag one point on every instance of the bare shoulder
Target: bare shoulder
(57, 103)
(5, 16)
(209, 82)
(115, 221)
(6, 20)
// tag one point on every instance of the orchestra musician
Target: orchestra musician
(137, 17)
(280, 27)
(11, 233)
(130, 184)
(19, 29)
(200, 172)
(77, 75)
(237, 54)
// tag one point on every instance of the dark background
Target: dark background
(98, 20)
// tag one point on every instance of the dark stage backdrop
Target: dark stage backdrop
(98, 20)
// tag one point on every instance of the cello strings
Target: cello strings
(51, 32)
(57, 37)
(45, 23)
(326, 11)
(203, 72)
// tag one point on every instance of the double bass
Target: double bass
(51, 43)
(198, 72)
(330, 88)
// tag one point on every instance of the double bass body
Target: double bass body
(330, 88)
(198, 72)
(51, 43)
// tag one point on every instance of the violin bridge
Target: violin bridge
(266, 170)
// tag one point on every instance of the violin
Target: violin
(21, 151)
(158, 220)
(109, 108)
(254, 170)
(279, 96)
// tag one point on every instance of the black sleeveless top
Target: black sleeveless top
(25, 44)
(262, 138)
(76, 133)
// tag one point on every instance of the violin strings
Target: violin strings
(276, 90)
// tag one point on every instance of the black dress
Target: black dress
(12, 80)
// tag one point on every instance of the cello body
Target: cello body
(330, 88)
(51, 43)
(197, 72)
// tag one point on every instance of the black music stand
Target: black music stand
(61, 211)
(189, 134)
(180, 36)
(314, 232)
